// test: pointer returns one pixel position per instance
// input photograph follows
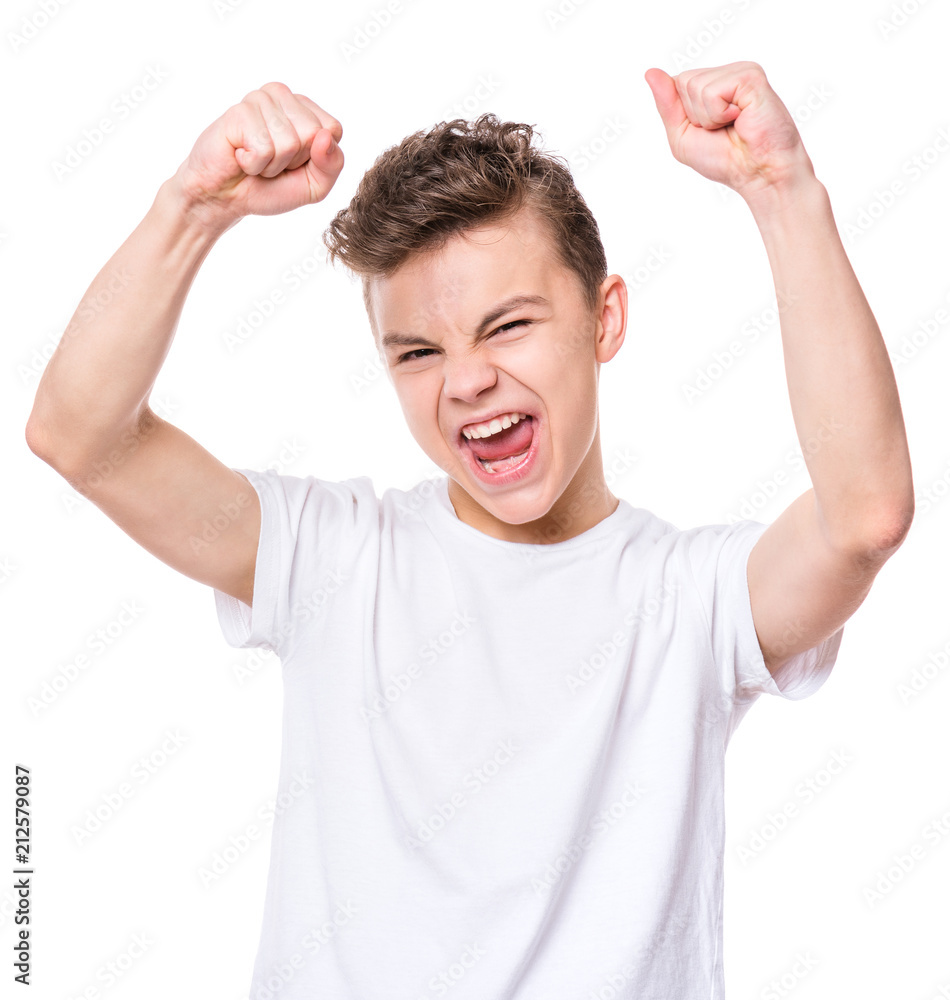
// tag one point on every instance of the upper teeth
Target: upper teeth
(496, 425)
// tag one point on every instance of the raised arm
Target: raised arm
(91, 421)
(811, 569)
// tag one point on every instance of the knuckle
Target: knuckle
(251, 96)
(260, 142)
(276, 88)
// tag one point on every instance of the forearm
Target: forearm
(96, 384)
(841, 384)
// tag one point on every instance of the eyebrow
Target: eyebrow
(407, 340)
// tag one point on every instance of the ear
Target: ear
(612, 317)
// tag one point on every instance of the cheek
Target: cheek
(570, 353)
(420, 409)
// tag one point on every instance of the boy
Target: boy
(511, 691)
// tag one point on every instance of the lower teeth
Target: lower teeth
(503, 464)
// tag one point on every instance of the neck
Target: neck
(585, 501)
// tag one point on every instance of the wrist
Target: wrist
(786, 196)
(194, 213)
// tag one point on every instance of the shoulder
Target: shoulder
(698, 543)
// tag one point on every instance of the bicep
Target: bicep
(801, 588)
(179, 502)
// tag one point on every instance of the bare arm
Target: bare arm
(91, 420)
(811, 569)
(815, 564)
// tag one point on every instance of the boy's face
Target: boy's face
(461, 361)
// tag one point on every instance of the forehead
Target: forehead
(472, 270)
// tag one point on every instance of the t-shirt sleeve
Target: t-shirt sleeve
(303, 522)
(719, 556)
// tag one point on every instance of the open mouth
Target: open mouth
(506, 451)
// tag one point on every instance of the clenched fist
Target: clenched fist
(728, 124)
(273, 152)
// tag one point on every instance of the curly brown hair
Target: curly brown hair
(457, 176)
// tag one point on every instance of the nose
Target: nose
(466, 377)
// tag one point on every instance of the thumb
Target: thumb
(667, 100)
(325, 163)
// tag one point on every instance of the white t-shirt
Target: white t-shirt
(504, 760)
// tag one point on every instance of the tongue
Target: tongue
(511, 441)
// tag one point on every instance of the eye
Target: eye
(421, 351)
(409, 356)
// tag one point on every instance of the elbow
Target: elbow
(35, 439)
(884, 534)
(872, 535)
(894, 530)
(41, 441)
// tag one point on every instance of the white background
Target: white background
(878, 98)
